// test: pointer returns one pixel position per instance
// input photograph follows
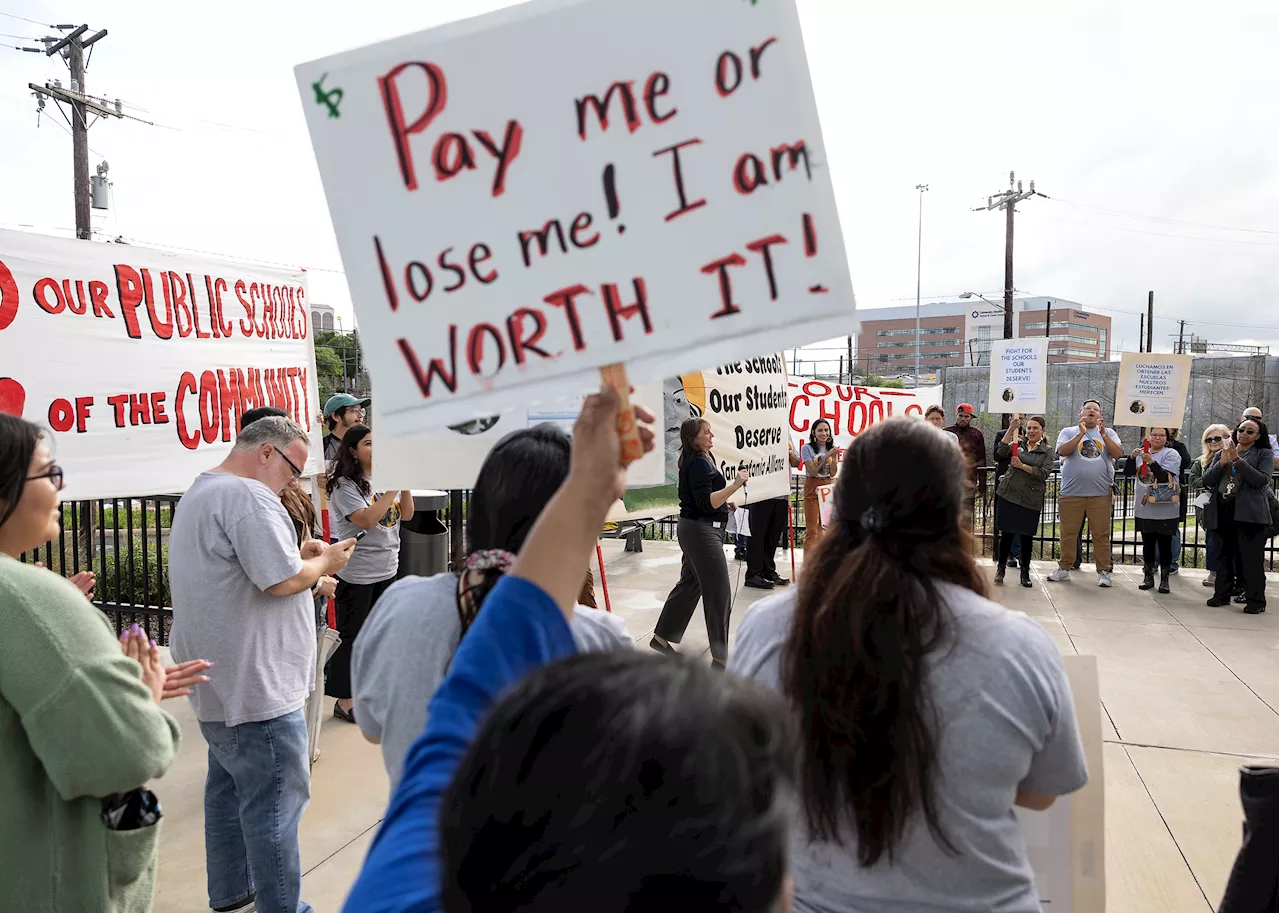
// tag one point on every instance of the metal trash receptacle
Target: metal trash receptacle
(424, 539)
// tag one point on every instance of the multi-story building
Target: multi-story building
(322, 316)
(960, 333)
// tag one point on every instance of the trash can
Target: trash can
(424, 539)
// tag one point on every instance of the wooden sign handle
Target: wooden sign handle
(615, 376)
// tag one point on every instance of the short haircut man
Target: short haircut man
(241, 598)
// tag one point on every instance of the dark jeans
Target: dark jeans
(258, 784)
(1243, 545)
(1010, 544)
(1157, 542)
(354, 603)
(703, 574)
(768, 523)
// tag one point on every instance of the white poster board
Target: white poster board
(448, 458)
(1152, 389)
(517, 206)
(1065, 843)
(851, 410)
(1018, 376)
(141, 361)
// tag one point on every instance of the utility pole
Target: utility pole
(849, 342)
(1142, 332)
(1151, 316)
(1007, 200)
(1182, 326)
(921, 189)
(73, 46)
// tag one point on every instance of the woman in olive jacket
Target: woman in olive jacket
(1239, 510)
(1020, 492)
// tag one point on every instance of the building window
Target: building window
(924, 331)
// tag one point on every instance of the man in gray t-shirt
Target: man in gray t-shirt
(241, 599)
(1089, 452)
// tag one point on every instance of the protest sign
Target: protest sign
(852, 410)
(451, 457)
(1065, 844)
(517, 207)
(746, 406)
(141, 362)
(1018, 375)
(1151, 389)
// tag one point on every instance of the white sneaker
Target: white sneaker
(1104, 578)
(1210, 580)
(1060, 574)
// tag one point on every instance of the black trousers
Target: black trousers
(768, 523)
(1157, 545)
(1007, 541)
(1243, 546)
(703, 575)
(354, 603)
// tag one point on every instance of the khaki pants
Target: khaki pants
(1071, 514)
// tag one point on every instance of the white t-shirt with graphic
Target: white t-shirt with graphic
(1087, 473)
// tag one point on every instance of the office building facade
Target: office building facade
(959, 333)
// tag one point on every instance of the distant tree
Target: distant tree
(875, 380)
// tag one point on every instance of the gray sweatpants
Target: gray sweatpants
(703, 574)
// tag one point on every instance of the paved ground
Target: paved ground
(1189, 694)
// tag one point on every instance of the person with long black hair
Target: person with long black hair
(548, 781)
(1157, 495)
(819, 458)
(1020, 491)
(409, 640)
(704, 511)
(926, 712)
(1239, 476)
(357, 511)
(79, 718)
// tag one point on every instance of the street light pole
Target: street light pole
(921, 188)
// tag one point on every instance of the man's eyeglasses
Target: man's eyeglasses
(296, 471)
(1213, 440)
(53, 474)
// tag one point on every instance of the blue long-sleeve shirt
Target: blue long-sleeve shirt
(520, 629)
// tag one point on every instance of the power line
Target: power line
(1134, 215)
(19, 37)
(43, 25)
(1163, 234)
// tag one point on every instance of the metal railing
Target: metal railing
(1126, 542)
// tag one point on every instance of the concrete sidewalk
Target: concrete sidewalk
(1189, 694)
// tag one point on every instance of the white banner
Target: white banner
(1018, 376)
(141, 361)
(1152, 389)
(852, 410)
(517, 206)
(451, 457)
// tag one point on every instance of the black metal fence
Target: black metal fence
(1126, 543)
(124, 542)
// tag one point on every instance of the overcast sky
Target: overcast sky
(1155, 127)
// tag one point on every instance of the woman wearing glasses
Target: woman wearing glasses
(80, 720)
(1210, 444)
(356, 511)
(1239, 476)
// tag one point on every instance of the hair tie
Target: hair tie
(872, 521)
(472, 577)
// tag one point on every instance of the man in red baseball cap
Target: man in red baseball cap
(974, 445)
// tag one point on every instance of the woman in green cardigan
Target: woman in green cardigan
(80, 720)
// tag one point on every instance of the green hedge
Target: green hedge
(157, 583)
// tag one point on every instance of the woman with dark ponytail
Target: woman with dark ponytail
(926, 712)
(407, 644)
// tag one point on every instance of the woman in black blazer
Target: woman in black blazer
(1239, 510)
(704, 510)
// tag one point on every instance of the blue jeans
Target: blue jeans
(1177, 548)
(259, 782)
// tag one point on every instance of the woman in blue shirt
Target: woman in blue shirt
(578, 792)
